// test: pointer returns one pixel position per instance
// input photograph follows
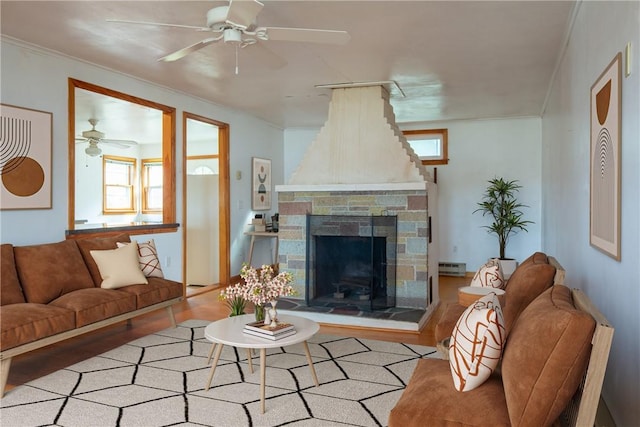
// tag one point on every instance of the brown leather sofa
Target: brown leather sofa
(532, 277)
(51, 292)
(551, 373)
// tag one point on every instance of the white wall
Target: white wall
(601, 30)
(37, 79)
(478, 151)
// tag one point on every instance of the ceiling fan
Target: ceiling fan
(94, 136)
(236, 24)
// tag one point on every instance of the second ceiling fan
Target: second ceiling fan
(236, 24)
(94, 136)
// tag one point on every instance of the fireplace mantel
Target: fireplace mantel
(387, 186)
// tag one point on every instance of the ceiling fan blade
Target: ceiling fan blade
(159, 24)
(243, 13)
(307, 35)
(189, 49)
(123, 143)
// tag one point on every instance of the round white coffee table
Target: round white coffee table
(228, 331)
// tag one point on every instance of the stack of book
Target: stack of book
(259, 329)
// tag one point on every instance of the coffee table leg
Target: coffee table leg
(249, 359)
(213, 347)
(313, 370)
(213, 366)
(263, 375)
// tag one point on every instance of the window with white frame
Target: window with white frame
(118, 184)
(151, 185)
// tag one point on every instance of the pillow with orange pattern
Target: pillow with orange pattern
(489, 276)
(148, 257)
(476, 343)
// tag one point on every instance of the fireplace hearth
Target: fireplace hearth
(351, 261)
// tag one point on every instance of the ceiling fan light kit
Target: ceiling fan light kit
(232, 35)
(93, 150)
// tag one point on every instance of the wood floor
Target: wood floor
(204, 306)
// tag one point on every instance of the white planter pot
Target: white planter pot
(508, 266)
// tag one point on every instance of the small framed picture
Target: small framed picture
(260, 184)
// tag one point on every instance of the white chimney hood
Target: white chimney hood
(359, 148)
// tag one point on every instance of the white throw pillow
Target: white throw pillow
(119, 267)
(476, 343)
(489, 276)
(148, 258)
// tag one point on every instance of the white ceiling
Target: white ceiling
(452, 59)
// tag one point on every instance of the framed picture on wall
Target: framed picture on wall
(25, 158)
(260, 184)
(604, 227)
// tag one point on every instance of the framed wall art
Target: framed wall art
(604, 227)
(25, 158)
(260, 184)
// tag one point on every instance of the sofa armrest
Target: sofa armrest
(559, 277)
(583, 407)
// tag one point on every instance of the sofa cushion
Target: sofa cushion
(119, 267)
(95, 304)
(157, 290)
(48, 271)
(431, 400)
(476, 343)
(28, 322)
(148, 258)
(10, 289)
(545, 357)
(97, 244)
(526, 288)
(489, 275)
(536, 257)
(529, 280)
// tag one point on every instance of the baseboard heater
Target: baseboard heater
(452, 269)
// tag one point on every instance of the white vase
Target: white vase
(273, 314)
(267, 317)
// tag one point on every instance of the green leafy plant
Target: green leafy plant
(500, 202)
(236, 305)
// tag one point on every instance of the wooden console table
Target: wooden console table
(262, 235)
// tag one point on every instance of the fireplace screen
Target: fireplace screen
(351, 261)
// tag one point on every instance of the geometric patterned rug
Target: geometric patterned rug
(159, 380)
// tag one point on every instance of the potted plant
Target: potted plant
(500, 202)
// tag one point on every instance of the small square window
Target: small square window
(430, 145)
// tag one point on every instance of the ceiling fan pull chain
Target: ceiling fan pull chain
(236, 59)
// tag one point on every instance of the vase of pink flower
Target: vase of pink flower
(259, 287)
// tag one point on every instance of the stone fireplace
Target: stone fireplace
(360, 170)
(351, 261)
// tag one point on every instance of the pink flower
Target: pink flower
(260, 287)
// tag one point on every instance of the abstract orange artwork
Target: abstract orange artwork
(25, 158)
(605, 160)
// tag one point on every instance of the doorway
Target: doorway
(205, 206)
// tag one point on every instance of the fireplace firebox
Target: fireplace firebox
(351, 261)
